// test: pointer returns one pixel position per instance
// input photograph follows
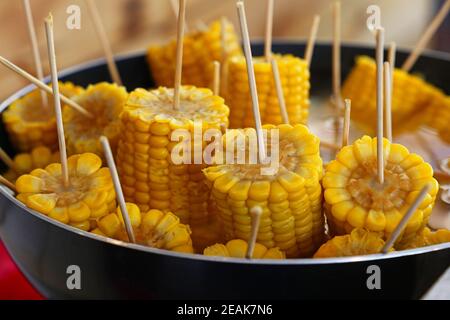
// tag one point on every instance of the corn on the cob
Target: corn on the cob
(201, 49)
(294, 74)
(354, 198)
(89, 196)
(437, 113)
(358, 242)
(149, 176)
(105, 101)
(24, 163)
(410, 94)
(426, 238)
(153, 228)
(237, 249)
(29, 124)
(291, 199)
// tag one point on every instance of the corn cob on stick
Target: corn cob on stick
(105, 101)
(358, 242)
(426, 238)
(291, 199)
(294, 74)
(24, 163)
(149, 177)
(30, 125)
(410, 94)
(354, 198)
(237, 249)
(153, 228)
(201, 49)
(89, 196)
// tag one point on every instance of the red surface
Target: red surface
(13, 285)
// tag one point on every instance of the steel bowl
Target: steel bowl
(46, 250)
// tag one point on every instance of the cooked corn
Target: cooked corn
(149, 176)
(294, 74)
(354, 198)
(238, 248)
(438, 113)
(89, 196)
(154, 228)
(410, 94)
(358, 242)
(291, 198)
(30, 125)
(105, 101)
(426, 238)
(24, 163)
(201, 49)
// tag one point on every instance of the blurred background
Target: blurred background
(133, 24)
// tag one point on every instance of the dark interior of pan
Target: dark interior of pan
(44, 250)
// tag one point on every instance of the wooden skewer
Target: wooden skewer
(412, 209)
(6, 159)
(101, 33)
(269, 29)
(179, 62)
(312, 39)
(346, 132)
(255, 213)
(216, 78)
(174, 5)
(251, 80)
(8, 183)
(388, 100)
(280, 93)
(426, 37)
(43, 86)
(118, 188)
(391, 56)
(56, 98)
(379, 60)
(35, 49)
(337, 54)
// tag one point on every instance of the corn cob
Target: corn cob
(358, 242)
(24, 163)
(153, 228)
(294, 74)
(354, 198)
(201, 49)
(30, 125)
(426, 238)
(237, 249)
(89, 196)
(410, 94)
(149, 177)
(291, 199)
(105, 101)
(438, 113)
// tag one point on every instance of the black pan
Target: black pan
(44, 249)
